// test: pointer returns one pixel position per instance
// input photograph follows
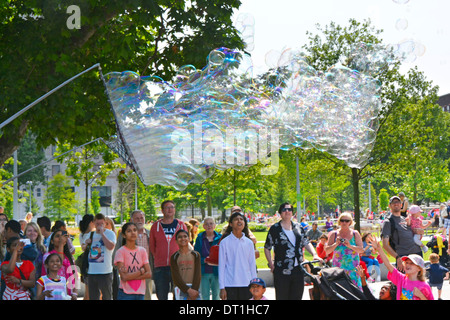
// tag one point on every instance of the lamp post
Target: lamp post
(135, 192)
(30, 184)
(16, 213)
(299, 206)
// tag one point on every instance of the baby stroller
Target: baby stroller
(440, 248)
(331, 284)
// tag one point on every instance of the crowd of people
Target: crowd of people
(37, 259)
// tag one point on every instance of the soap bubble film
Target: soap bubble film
(245, 25)
(222, 116)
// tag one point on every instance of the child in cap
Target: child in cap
(412, 285)
(415, 219)
(257, 288)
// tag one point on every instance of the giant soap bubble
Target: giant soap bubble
(177, 132)
(334, 111)
(221, 117)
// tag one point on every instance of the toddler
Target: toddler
(257, 288)
(415, 219)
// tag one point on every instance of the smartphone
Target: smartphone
(26, 242)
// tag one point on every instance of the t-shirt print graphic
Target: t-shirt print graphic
(169, 229)
(133, 267)
(96, 254)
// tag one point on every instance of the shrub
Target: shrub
(254, 227)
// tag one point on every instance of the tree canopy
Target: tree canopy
(411, 140)
(39, 51)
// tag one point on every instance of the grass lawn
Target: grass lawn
(76, 243)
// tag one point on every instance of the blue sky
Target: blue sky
(282, 24)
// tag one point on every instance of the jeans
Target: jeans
(125, 296)
(210, 286)
(163, 282)
(372, 264)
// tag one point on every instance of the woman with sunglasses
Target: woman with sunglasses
(346, 245)
(288, 239)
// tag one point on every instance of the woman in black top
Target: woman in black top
(288, 239)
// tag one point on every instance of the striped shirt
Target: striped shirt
(58, 287)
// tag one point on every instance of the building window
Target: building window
(105, 195)
(56, 169)
(38, 192)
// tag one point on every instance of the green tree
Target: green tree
(319, 178)
(415, 139)
(60, 202)
(29, 156)
(7, 191)
(148, 206)
(121, 206)
(92, 165)
(397, 90)
(95, 201)
(384, 199)
(39, 52)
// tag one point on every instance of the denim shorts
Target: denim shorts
(437, 285)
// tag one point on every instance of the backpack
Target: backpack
(393, 229)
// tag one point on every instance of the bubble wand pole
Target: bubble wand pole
(18, 114)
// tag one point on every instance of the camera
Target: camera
(342, 240)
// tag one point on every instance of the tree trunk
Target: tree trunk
(355, 181)
(224, 216)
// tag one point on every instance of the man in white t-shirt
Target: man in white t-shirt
(100, 272)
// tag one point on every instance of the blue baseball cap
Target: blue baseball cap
(258, 281)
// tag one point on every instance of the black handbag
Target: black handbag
(82, 261)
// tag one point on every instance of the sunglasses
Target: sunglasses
(344, 220)
(287, 209)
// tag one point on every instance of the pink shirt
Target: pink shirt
(405, 287)
(416, 222)
(262, 298)
(132, 260)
